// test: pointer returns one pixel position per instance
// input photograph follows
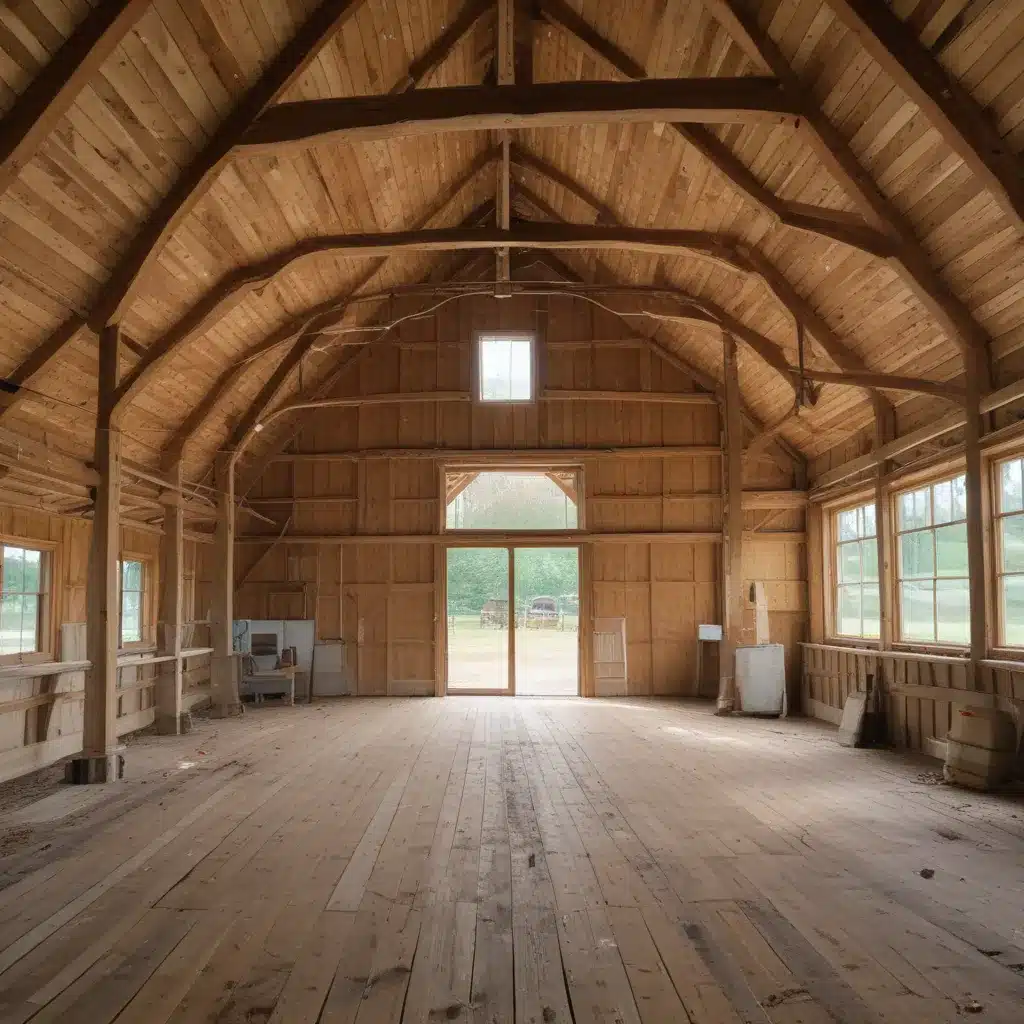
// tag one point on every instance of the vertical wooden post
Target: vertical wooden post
(100, 760)
(169, 719)
(976, 363)
(732, 540)
(885, 431)
(224, 665)
(511, 620)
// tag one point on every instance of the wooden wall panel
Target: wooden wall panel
(387, 591)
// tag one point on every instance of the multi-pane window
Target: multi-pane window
(505, 367)
(21, 599)
(1010, 557)
(856, 593)
(932, 563)
(133, 579)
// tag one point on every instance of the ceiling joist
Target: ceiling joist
(548, 105)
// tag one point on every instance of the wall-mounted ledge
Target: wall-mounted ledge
(28, 670)
(874, 652)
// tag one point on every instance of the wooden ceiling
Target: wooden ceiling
(888, 223)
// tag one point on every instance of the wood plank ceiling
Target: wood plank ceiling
(77, 191)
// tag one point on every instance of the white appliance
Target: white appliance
(761, 679)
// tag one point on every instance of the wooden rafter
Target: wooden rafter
(217, 303)
(324, 387)
(910, 259)
(831, 224)
(307, 325)
(53, 91)
(193, 182)
(435, 54)
(753, 260)
(564, 271)
(548, 105)
(962, 122)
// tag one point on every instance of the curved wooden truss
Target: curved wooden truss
(255, 122)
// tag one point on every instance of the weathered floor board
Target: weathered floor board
(497, 860)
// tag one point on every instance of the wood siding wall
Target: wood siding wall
(32, 737)
(382, 597)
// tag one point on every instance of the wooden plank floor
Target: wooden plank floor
(496, 860)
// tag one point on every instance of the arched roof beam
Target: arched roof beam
(234, 288)
(834, 225)
(963, 123)
(910, 259)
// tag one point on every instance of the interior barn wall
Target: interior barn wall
(32, 737)
(922, 683)
(381, 597)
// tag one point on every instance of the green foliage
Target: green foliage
(476, 575)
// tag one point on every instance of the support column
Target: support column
(976, 365)
(885, 431)
(170, 719)
(224, 664)
(732, 539)
(101, 760)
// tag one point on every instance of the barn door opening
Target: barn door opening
(479, 635)
(513, 620)
(547, 596)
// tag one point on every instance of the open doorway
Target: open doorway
(513, 620)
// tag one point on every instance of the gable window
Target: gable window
(22, 599)
(856, 591)
(1010, 555)
(511, 499)
(133, 583)
(505, 367)
(932, 563)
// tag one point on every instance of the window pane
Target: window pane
(1012, 537)
(942, 502)
(869, 558)
(848, 524)
(505, 500)
(30, 624)
(131, 575)
(849, 562)
(848, 611)
(960, 498)
(1013, 610)
(917, 558)
(918, 610)
(131, 616)
(10, 624)
(952, 608)
(14, 569)
(951, 550)
(33, 572)
(1011, 491)
(868, 520)
(505, 368)
(914, 509)
(870, 609)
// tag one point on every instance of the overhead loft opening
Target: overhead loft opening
(505, 367)
(512, 500)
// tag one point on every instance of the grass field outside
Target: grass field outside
(546, 659)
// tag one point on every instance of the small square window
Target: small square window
(505, 368)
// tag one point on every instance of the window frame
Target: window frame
(477, 368)
(45, 618)
(994, 520)
(146, 626)
(470, 465)
(934, 479)
(834, 544)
